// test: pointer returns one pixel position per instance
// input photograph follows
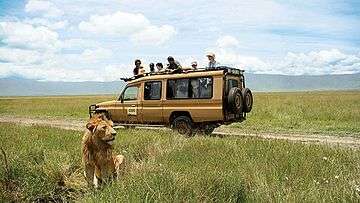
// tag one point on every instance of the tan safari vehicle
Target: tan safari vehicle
(189, 102)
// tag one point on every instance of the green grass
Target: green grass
(331, 112)
(63, 107)
(310, 112)
(45, 164)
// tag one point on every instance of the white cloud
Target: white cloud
(46, 8)
(268, 37)
(227, 41)
(313, 63)
(95, 55)
(323, 62)
(134, 25)
(78, 43)
(154, 35)
(56, 73)
(45, 22)
(119, 23)
(26, 36)
(19, 56)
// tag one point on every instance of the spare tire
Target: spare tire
(235, 100)
(248, 99)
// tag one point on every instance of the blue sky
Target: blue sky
(75, 40)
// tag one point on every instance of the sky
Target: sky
(79, 40)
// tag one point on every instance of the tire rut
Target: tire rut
(79, 125)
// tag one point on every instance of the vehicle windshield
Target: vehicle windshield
(129, 93)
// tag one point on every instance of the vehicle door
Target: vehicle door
(130, 100)
(152, 104)
(117, 113)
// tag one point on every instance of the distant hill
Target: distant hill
(263, 82)
(17, 86)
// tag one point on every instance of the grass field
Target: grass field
(330, 112)
(69, 107)
(44, 164)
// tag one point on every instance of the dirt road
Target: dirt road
(346, 141)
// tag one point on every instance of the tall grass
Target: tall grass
(45, 164)
(305, 112)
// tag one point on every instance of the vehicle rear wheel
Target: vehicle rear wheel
(235, 100)
(248, 99)
(183, 125)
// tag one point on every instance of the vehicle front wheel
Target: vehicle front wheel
(183, 125)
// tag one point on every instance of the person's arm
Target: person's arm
(178, 65)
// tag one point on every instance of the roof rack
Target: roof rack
(227, 69)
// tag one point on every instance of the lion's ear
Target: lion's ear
(90, 126)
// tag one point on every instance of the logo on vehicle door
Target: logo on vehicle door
(131, 111)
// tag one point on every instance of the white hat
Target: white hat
(210, 54)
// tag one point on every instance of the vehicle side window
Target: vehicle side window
(131, 93)
(152, 90)
(206, 87)
(192, 88)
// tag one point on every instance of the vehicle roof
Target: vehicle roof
(190, 73)
(177, 75)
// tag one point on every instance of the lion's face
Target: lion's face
(102, 130)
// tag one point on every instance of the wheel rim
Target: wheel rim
(248, 100)
(237, 101)
(183, 128)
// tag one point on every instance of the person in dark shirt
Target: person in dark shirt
(137, 67)
(152, 68)
(173, 65)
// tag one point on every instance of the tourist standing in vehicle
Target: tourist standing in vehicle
(138, 70)
(173, 65)
(152, 68)
(141, 71)
(160, 67)
(212, 63)
(194, 65)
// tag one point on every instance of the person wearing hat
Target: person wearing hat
(212, 63)
(194, 65)
(173, 65)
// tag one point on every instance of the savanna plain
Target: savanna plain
(43, 163)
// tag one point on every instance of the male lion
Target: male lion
(100, 163)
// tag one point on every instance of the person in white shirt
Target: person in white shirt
(212, 63)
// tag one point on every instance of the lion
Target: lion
(100, 164)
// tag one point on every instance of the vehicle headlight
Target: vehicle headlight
(93, 107)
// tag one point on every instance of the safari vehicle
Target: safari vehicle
(189, 102)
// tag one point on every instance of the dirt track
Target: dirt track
(346, 141)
